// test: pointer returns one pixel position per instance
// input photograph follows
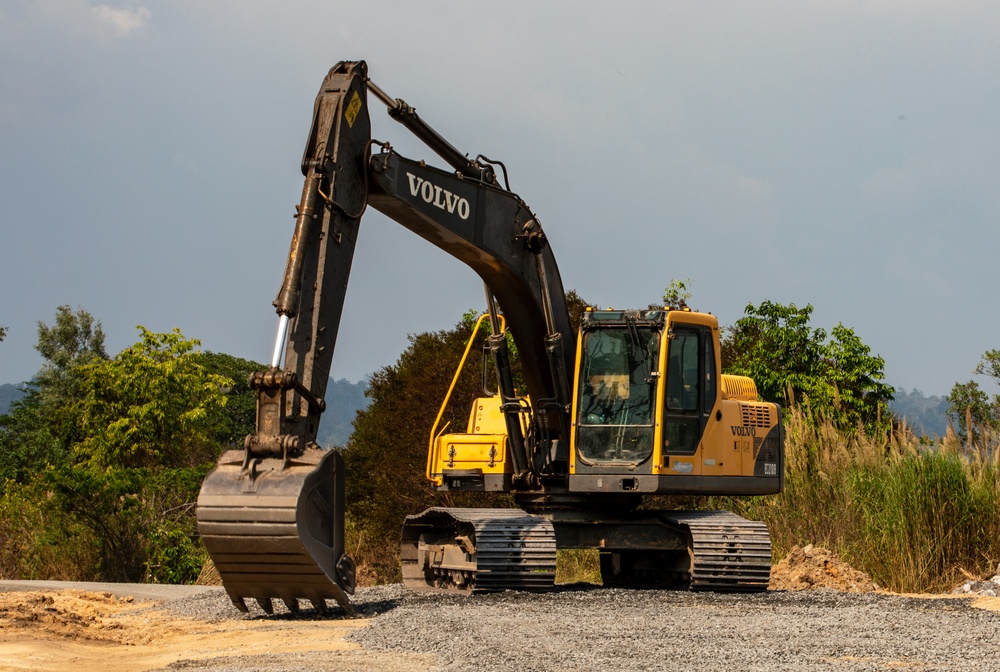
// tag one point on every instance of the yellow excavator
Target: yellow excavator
(633, 403)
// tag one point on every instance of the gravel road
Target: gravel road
(586, 628)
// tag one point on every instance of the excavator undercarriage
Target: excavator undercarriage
(489, 550)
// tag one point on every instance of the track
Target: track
(478, 550)
(728, 553)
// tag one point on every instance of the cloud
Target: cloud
(122, 22)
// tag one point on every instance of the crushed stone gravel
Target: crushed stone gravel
(589, 628)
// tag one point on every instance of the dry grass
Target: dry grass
(916, 515)
(578, 566)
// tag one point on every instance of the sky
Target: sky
(840, 154)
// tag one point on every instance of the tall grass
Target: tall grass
(916, 515)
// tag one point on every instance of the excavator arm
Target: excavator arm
(272, 515)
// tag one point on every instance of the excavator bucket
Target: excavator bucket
(274, 528)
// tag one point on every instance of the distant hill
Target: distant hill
(10, 393)
(924, 415)
(343, 401)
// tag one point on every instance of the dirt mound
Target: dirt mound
(808, 568)
(70, 614)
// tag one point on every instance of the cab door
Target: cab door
(690, 387)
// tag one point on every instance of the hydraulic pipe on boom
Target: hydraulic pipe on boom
(407, 116)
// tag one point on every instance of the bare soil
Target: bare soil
(809, 568)
(82, 630)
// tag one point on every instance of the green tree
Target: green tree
(973, 413)
(676, 294)
(41, 426)
(989, 365)
(29, 441)
(240, 413)
(119, 498)
(793, 362)
(153, 405)
(75, 338)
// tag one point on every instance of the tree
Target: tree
(240, 412)
(109, 455)
(792, 362)
(989, 365)
(973, 413)
(75, 339)
(3, 333)
(149, 422)
(153, 405)
(41, 426)
(676, 294)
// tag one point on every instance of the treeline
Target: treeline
(102, 460)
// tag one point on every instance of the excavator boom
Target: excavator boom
(272, 514)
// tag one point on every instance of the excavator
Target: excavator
(631, 404)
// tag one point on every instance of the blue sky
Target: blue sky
(843, 154)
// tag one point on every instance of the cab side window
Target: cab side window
(691, 388)
(708, 367)
(682, 371)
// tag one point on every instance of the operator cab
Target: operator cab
(617, 386)
(645, 391)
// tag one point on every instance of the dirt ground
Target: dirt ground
(74, 629)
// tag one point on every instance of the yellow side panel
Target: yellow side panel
(729, 446)
(722, 451)
(486, 417)
(486, 452)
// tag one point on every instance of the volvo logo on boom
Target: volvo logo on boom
(438, 197)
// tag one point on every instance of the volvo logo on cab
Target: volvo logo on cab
(438, 197)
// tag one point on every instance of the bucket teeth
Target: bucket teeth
(239, 603)
(292, 605)
(266, 605)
